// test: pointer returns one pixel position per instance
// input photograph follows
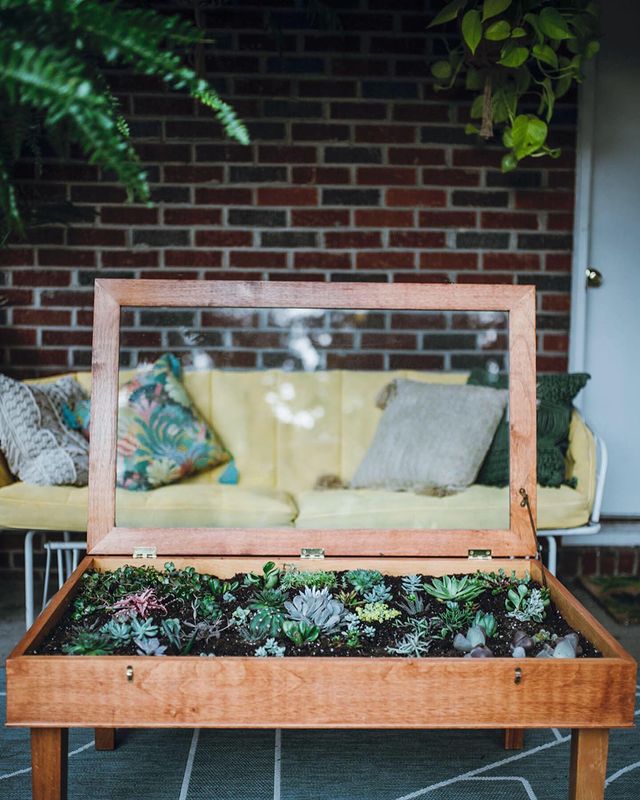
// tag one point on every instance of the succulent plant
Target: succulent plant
(450, 588)
(294, 579)
(118, 631)
(138, 604)
(480, 652)
(474, 637)
(220, 588)
(499, 581)
(565, 647)
(268, 621)
(413, 604)
(316, 607)
(150, 647)
(521, 641)
(268, 599)
(412, 584)
(526, 604)
(270, 648)
(348, 599)
(269, 578)
(380, 593)
(487, 622)
(453, 619)
(88, 643)
(142, 628)
(172, 629)
(363, 580)
(208, 607)
(376, 612)
(300, 632)
(416, 642)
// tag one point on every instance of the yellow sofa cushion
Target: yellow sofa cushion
(476, 508)
(184, 505)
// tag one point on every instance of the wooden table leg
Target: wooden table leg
(105, 738)
(588, 763)
(49, 756)
(513, 738)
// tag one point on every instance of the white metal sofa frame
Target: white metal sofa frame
(67, 551)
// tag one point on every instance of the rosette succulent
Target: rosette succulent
(316, 607)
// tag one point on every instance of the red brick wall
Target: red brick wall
(357, 171)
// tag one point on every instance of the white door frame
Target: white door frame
(582, 222)
(620, 535)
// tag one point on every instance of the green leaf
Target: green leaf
(513, 55)
(563, 86)
(491, 8)
(545, 54)
(591, 49)
(470, 129)
(476, 107)
(509, 162)
(449, 12)
(529, 134)
(518, 33)
(498, 31)
(441, 70)
(474, 80)
(553, 24)
(472, 29)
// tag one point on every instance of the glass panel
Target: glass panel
(313, 418)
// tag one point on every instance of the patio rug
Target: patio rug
(619, 595)
(318, 765)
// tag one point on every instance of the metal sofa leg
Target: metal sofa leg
(552, 557)
(29, 600)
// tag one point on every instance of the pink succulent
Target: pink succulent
(140, 604)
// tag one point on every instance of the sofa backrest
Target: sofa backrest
(287, 429)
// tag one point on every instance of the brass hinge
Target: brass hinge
(144, 552)
(311, 552)
(480, 555)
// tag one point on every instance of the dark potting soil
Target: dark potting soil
(230, 642)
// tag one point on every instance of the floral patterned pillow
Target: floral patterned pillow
(161, 436)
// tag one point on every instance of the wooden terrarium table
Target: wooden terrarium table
(52, 693)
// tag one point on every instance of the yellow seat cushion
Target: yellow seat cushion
(184, 505)
(477, 508)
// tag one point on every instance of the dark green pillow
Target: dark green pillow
(555, 395)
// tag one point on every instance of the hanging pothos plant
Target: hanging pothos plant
(521, 56)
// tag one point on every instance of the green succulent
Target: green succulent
(172, 629)
(300, 632)
(363, 580)
(449, 588)
(269, 621)
(143, 628)
(453, 619)
(526, 604)
(348, 599)
(221, 588)
(293, 579)
(118, 631)
(209, 607)
(376, 612)
(88, 643)
(380, 593)
(270, 648)
(412, 584)
(268, 599)
(487, 622)
(269, 578)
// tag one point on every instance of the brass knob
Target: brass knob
(594, 278)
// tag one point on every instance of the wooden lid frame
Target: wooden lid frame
(104, 537)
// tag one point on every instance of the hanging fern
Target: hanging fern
(52, 83)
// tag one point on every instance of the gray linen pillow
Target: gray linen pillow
(431, 437)
(38, 446)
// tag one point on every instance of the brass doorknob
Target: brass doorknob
(594, 278)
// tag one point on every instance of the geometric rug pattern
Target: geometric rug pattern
(318, 765)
